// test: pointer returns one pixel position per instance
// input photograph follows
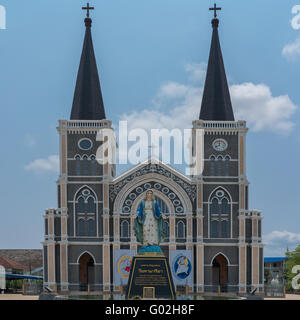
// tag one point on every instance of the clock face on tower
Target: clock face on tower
(220, 145)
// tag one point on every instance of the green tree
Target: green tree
(293, 259)
(267, 276)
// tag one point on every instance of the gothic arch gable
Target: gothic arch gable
(152, 177)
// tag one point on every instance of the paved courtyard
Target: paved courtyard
(22, 297)
(288, 297)
(17, 297)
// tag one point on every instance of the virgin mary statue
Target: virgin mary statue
(149, 224)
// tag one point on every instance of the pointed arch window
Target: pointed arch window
(93, 165)
(91, 227)
(166, 231)
(77, 165)
(212, 165)
(214, 206)
(225, 206)
(125, 229)
(214, 229)
(224, 229)
(220, 165)
(91, 205)
(85, 165)
(81, 227)
(80, 206)
(180, 234)
(85, 213)
(227, 166)
(220, 214)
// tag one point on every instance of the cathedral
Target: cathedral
(212, 239)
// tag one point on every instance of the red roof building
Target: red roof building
(11, 265)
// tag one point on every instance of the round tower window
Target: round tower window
(220, 193)
(85, 144)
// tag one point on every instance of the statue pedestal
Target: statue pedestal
(150, 277)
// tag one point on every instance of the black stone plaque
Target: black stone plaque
(150, 273)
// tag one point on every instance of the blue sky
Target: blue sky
(147, 52)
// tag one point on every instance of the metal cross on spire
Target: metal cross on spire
(88, 8)
(215, 9)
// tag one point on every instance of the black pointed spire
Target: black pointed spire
(216, 102)
(88, 101)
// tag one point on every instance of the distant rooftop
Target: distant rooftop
(28, 258)
(10, 264)
(274, 259)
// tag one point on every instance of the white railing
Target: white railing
(84, 124)
(219, 124)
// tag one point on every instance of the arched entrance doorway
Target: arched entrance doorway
(220, 272)
(86, 271)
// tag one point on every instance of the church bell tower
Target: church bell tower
(76, 240)
(228, 233)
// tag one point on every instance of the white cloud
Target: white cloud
(263, 112)
(179, 113)
(277, 242)
(292, 50)
(177, 105)
(172, 90)
(287, 237)
(197, 71)
(50, 164)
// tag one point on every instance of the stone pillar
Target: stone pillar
(116, 246)
(199, 227)
(242, 253)
(172, 238)
(172, 222)
(189, 238)
(64, 266)
(116, 243)
(242, 196)
(256, 245)
(255, 267)
(63, 152)
(256, 217)
(106, 244)
(200, 267)
(242, 226)
(116, 218)
(51, 250)
(242, 215)
(242, 151)
(51, 265)
(105, 212)
(64, 251)
(189, 227)
(106, 267)
(199, 235)
(133, 242)
(242, 268)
